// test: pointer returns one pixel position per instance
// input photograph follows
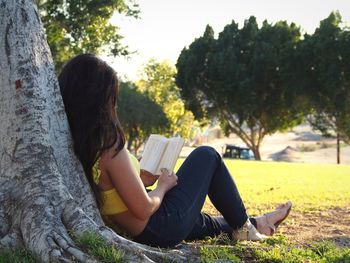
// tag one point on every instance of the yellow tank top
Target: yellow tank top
(111, 202)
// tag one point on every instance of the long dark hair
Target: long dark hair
(89, 88)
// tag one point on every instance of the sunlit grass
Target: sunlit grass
(262, 185)
(98, 247)
(310, 187)
(275, 249)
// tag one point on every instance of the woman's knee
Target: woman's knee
(206, 153)
(200, 160)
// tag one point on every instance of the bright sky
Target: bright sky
(165, 27)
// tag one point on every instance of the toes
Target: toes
(286, 205)
(281, 206)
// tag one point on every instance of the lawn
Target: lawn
(309, 186)
(317, 230)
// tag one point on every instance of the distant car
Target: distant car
(236, 152)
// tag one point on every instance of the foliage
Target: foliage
(139, 116)
(324, 76)
(74, 26)
(241, 78)
(158, 83)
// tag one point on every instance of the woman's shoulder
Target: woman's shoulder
(106, 165)
(111, 158)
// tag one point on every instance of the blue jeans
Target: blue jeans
(179, 216)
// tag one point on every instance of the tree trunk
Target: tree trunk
(338, 148)
(256, 152)
(255, 147)
(44, 195)
(252, 141)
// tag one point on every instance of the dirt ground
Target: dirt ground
(305, 146)
(301, 145)
(308, 227)
(332, 225)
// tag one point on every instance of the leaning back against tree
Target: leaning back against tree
(45, 199)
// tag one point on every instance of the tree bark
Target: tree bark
(338, 148)
(253, 142)
(44, 195)
(255, 149)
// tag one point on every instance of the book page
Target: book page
(153, 153)
(171, 154)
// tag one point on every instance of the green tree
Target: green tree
(240, 77)
(158, 84)
(75, 26)
(324, 77)
(139, 116)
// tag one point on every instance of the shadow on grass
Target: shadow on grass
(340, 241)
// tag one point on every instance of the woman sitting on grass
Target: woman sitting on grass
(172, 211)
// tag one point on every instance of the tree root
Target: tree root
(42, 230)
(11, 240)
(48, 231)
(45, 235)
(65, 243)
(78, 222)
(35, 190)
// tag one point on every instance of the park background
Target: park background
(318, 227)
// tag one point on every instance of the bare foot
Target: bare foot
(268, 223)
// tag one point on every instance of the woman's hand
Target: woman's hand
(148, 178)
(167, 180)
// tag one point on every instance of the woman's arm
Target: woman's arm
(130, 187)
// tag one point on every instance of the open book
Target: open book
(161, 152)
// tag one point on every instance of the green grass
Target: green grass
(17, 256)
(98, 247)
(318, 252)
(275, 249)
(308, 186)
(311, 187)
(90, 243)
